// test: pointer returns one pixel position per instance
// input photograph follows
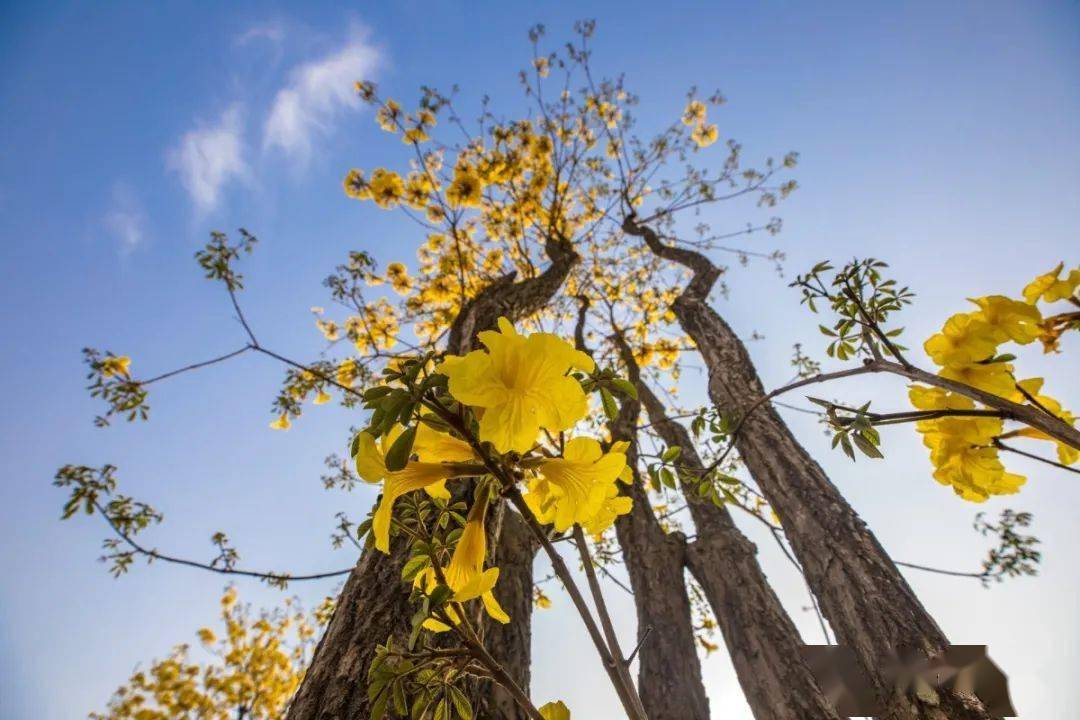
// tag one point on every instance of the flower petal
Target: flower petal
(510, 426)
(414, 476)
(370, 464)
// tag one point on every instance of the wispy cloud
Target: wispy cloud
(273, 32)
(125, 219)
(209, 157)
(316, 94)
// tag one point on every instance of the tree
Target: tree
(259, 661)
(478, 430)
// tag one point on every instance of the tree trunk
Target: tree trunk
(669, 673)
(761, 639)
(865, 598)
(373, 604)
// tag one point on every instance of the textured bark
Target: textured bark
(760, 636)
(374, 603)
(372, 607)
(865, 598)
(669, 673)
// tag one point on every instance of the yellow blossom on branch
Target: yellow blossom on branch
(522, 385)
(576, 487)
(370, 462)
(1049, 288)
(966, 338)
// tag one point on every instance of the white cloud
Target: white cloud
(125, 220)
(209, 157)
(273, 32)
(316, 94)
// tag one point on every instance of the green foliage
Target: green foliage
(1016, 554)
(862, 300)
(218, 256)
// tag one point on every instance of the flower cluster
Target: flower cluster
(704, 133)
(260, 661)
(962, 448)
(496, 415)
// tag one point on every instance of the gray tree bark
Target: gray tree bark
(669, 672)
(762, 641)
(861, 592)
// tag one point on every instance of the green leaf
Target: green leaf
(378, 708)
(667, 477)
(399, 452)
(435, 422)
(610, 408)
(845, 445)
(462, 706)
(413, 566)
(625, 387)
(401, 705)
(440, 595)
(671, 453)
(376, 392)
(867, 447)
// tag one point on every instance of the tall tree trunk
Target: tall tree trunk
(760, 636)
(373, 605)
(865, 598)
(669, 673)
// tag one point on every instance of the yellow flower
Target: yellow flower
(471, 550)
(934, 398)
(704, 135)
(710, 648)
(371, 466)
(322, 398)
(612, 507)
(282, 423)
(1049, 288)
(963, 458)
(965, 339)
(996, 378)
(1010, 319)
(387, 188)
(522, 385)
(433, 446)
(388, 116)
(347, 372)
(356, 186)
(576, 485)
(113, 366)
(555, 711)
(465, 190)
(465, 574)
(694, 114)
(1067, 454)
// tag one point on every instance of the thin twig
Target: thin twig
(196, 366)
(640, 642)
(1008, 448)
(154, 554)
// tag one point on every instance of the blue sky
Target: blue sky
(941, 137)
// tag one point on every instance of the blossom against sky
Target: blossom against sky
(940, 138)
